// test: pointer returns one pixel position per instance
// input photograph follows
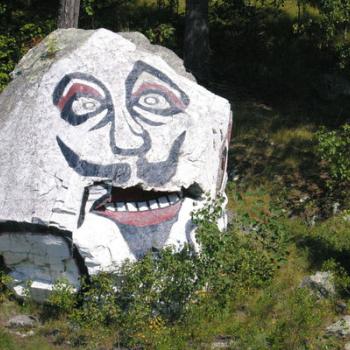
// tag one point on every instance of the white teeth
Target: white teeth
(110, 207)
(153, 204)
(121, 206)
(142, 206)
(163, 202)
(173, 198)
(131, 206)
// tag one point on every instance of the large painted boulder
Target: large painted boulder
(106, 146)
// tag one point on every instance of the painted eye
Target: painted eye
(154, 100)
(83, 105)
(157, 99)
(80, 97)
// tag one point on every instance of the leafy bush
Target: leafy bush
(230, 262)
(62, 299)
(143, 300)
(334, 148)
(335, 15)
(8, 58)
(340, 276)
(163, 34)
(112, 14)
(5, 280)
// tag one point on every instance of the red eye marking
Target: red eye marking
(170, 95)
(75, 88)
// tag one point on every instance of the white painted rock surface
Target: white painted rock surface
(105, 146)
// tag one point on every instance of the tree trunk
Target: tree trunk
(196, 45)
(68, 15)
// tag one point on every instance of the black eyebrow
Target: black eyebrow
(67, 115)
(141, 67)
(58, 92)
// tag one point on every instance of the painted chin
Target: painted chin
(139, 208)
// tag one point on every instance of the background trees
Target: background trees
(196, 39)
(68, 16)
(267, 45)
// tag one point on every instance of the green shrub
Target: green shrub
(62, 299)
(15, 44)
(229, 262)
(141, 302)
(5, 280)
(340, 276)
(111, 14)
(154, 292)
(8, 58)
(334, 148)
(163, 34)
(335, 15)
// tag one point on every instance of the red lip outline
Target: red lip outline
(141, 218)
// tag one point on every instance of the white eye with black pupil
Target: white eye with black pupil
(154, 101)
(84, 105)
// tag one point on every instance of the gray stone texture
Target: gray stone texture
(340, 328)
(321, 283)
(22, 321)
(89, 113)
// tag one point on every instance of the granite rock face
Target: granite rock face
(21, 321)
(106, 145)
(321, 284)
(340, 328)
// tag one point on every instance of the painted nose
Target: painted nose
(127, 137)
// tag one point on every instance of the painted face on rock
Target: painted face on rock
(144, 218)
(81, 97)
(106, 147)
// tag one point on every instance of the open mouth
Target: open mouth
(137, 207)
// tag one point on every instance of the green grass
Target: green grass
(9, 341)
(6, 341)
